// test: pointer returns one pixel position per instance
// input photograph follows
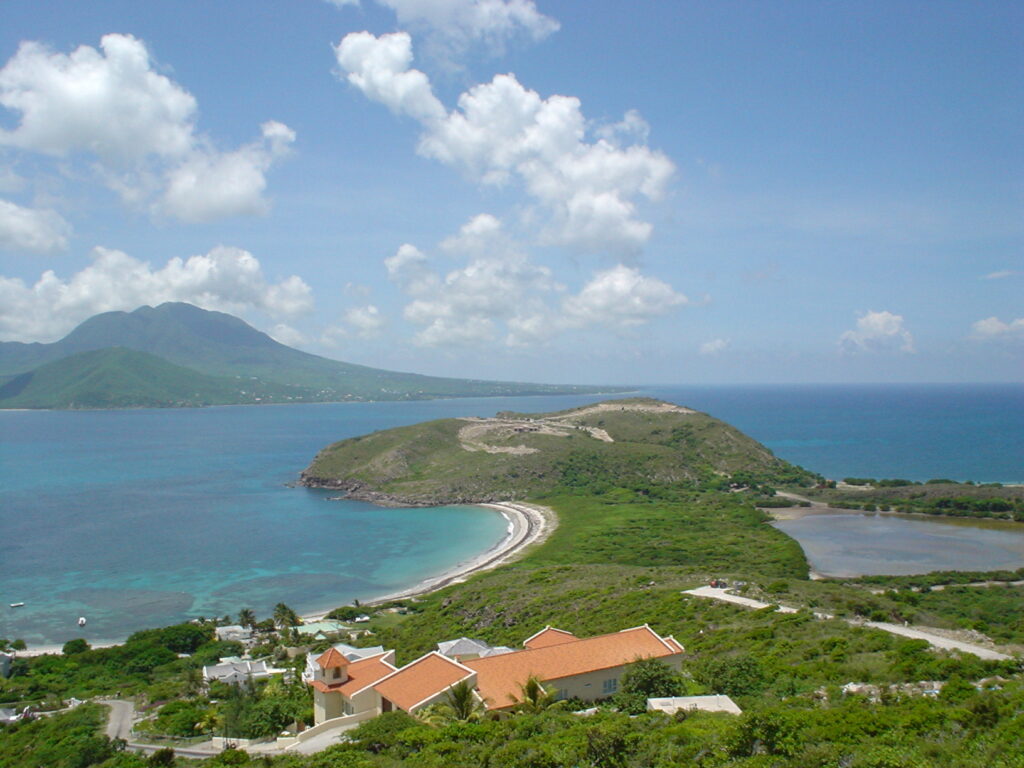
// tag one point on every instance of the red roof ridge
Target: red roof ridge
(363, 673)
(421, 659)
(662, 639)
(499, 676)
(547, 629)
(378, 658)
(332, 657)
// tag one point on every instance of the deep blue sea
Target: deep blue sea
(146, 517)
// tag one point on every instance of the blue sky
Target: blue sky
(638, 192)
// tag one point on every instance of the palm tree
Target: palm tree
(535, 697)
(193, 681)
(247, 617)
(461, 703)
(285, 616)
(209, 722)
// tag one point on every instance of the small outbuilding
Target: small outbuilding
(234, 633)
(672, 704)
(322, 630)
(234, 671)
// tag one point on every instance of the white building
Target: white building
(672, 704)
(234, 633)
(234, 671)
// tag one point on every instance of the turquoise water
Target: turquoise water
(146, 517)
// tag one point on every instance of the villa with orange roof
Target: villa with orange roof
(584, 668)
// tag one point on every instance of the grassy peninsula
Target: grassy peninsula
(652, 499)
(634, 447)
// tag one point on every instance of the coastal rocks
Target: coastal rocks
(353, 490)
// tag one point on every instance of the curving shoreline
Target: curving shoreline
(528, 524)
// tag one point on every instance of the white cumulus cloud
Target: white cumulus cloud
(714, 346)
(877, 332)
(287, 335)
(226, 279)
(379, 67)
(621, 296)
(500, 294)
(498, 284)
(502, 132)
(210, 185)
(365, 321)
(451, 28)
(110, 104)
(31, 229)
(994, 328)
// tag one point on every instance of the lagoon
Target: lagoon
(849, 544)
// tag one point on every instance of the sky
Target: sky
(609, 192)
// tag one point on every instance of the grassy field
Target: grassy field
(616, 446)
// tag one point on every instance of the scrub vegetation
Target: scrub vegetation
(641, 518)
(936, 497)
(623, 449)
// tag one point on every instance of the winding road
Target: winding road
(936, 641)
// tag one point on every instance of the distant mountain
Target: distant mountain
(116, 377)
(223, 355)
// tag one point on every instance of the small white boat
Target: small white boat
(16, 605)
(81, 621)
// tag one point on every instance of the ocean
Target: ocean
(147, 517)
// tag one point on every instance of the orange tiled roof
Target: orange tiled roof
(332, 657)
(361, 674)
(421, 679)
(549, 636)
(675, 644)
(499, 678)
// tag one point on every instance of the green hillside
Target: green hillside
(123, 378)
(635, 445)
(220, 345)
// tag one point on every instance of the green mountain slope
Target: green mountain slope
(122, 378)
(217, 344)
(634, 445)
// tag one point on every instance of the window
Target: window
(610, 686)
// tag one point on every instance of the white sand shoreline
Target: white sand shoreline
(528, 524)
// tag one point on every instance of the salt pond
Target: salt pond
(853, 544)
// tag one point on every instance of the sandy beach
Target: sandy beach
(528, 524)
(42, 650)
